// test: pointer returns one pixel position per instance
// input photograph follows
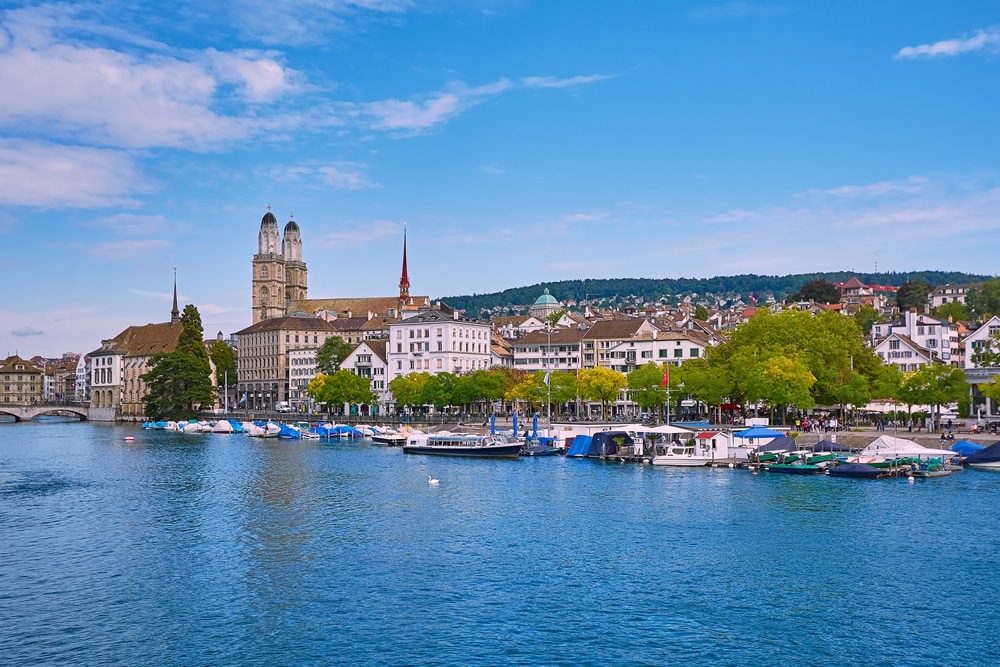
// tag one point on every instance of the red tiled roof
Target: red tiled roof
(706, 435)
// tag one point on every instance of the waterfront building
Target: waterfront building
(604, 335)
(501, 351)
(436, 340)
(59, 385)
(661, 347)
(20, 382)
(986, 337)
(301, 371)
(279, 274)
(81, 392)
(368, 360)
(549, 349)
(939, 337)
(117, 390)
(263, 356)
(901, 350)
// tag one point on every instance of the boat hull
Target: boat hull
(787, 469)
(506, 451)
(390, 440)
(680, 461)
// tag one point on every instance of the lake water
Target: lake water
(226, 550)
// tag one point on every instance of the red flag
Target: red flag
(666, 376)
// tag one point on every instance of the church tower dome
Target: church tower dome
(268, 239)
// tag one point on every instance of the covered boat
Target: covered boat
(854, 471)
(887, 447)
(964, 448)
(580, 446)
(828, 446)
(988, 458)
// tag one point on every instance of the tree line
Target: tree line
(651, 289)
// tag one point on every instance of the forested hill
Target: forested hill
(649, 289)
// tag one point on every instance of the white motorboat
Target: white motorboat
(676, 454)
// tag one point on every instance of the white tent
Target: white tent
(889, 447)
(667, 428)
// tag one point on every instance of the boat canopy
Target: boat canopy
(780, 444)
(758, 432)
(890, 447)
(580, 446)
(966, 448)
(828, 446)
(665, 428)
(607, 443)
(990, 454)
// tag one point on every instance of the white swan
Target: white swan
(432, 481)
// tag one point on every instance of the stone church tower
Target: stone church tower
(279, 274)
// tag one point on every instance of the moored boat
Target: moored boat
(450, 444)
(794, 468)
(985, 459)
(855, 471)
(676, 454)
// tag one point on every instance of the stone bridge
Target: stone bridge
(29, 412)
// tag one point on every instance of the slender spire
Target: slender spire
(404, 279)
(175, 315)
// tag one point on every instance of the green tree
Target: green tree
(553, 318)
(984, 301)
(224, 360)
(700, 312)
(991, 390)
(331, 354)
(341, 387)
(645, 386)
(601, 384)
(179, 382)
(885, 384)
(953, 309)
(439, 390)
(531, 390)
(866, 317)
(563, 386)
(854, 390)
(818, 290)
(705, 381)
(408, 389)
(934, 385)
(913, 295)
(781, 381)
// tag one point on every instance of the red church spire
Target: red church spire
(404, 279)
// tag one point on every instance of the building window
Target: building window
(679, 352)
(694, 352)
(894, 344)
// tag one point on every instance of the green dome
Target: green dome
(546, 299)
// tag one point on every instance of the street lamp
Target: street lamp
(548, 377)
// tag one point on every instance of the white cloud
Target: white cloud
(127, 250)
(982, 39)
(357, 235)
(77, 91)
(344, 179)
(492, 170)
(261, 77)
(46, 175)
(553, 82)
(27, 331)
(307, 21)
(911, 185)
(130, 224)
(585, 217)
(735, 215)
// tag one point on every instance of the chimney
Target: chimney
(455, 314)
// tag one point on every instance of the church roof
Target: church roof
(377, 305)
(145, 340)
(546, 299)
(269, 219)
(289, 323)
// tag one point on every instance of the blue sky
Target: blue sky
(519, 141)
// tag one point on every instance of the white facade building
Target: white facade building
(301, 371)
(432, 341)
(986, 335)
(368, 360)
(900, 350)
(938, 337)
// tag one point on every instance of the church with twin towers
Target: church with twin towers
(280, 281)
